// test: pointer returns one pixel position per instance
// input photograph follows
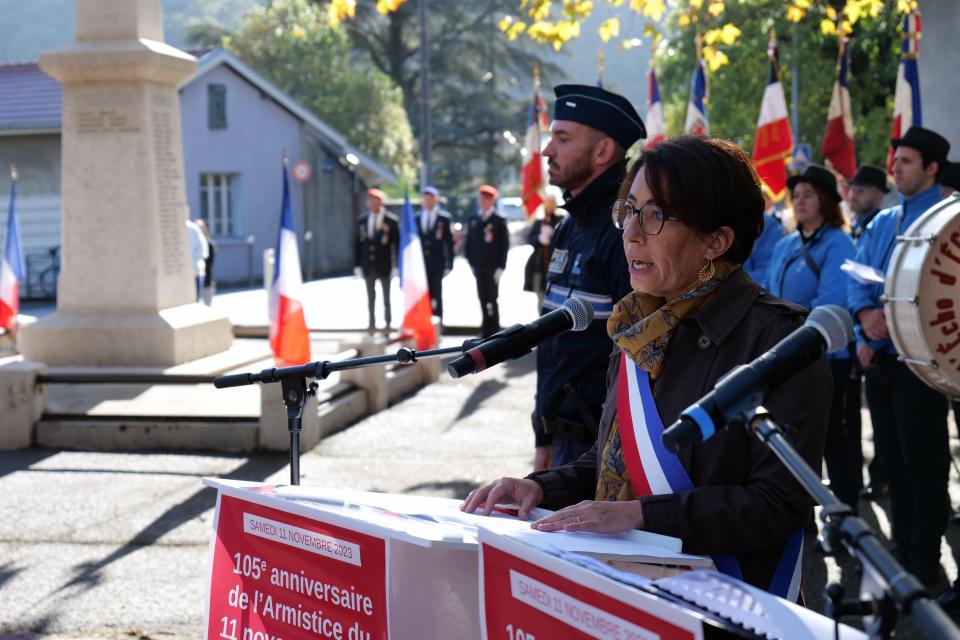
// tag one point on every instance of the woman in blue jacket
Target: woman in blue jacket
(805, 269)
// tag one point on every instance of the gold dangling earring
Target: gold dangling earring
(707, 271)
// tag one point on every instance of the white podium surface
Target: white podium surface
(418, 559)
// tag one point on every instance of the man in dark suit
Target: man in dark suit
(375, 251)
(487, 244)
(436, 240)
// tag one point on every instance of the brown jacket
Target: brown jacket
(745, 501)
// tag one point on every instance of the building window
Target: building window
(218, 202)
(217, 106)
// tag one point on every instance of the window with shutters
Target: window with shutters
(218, 202)
(217, 106)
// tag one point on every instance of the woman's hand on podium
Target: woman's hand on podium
(525, 493)
(594, 516)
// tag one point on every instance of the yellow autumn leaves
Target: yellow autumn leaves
(556, 22)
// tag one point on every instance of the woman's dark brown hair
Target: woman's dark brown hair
(829, 207)
(706, 183)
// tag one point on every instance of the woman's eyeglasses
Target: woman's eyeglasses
(651, 216)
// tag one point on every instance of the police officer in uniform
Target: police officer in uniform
(591, 132)
(487, 244)
(375, 253)
(436, 240)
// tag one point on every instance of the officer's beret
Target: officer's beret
(487, 190)
(933, 145)
(601, 109)
(869, 175)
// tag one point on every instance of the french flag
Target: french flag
(533, 186)
(906, 101)
(11, 265)
(289, 338)
(656, 130)
(697, 123)
(838, 145)
(417, 313)
(774, 141)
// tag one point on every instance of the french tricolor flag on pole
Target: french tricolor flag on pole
(697, 123)
(774, 140)
(656, 130)
(906, 101)
(289, 338)
(417, 313)
(838, 145)
(11, 265)
(533, 186)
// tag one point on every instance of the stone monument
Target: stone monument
(126, 293)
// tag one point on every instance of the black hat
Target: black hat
(870, 175)
(598, 108)
(818, 176)
(932, 144)
(950, 176)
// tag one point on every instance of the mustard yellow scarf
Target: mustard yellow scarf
(641, 325)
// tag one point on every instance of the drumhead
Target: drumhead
(921, 299)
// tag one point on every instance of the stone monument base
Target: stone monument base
(166, 337)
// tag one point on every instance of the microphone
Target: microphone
(576, 314)
(828, 328)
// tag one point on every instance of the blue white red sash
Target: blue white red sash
(656, 471)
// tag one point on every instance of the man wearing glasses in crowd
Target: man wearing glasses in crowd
(591, 132)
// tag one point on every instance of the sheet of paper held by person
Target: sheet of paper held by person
(862, 273)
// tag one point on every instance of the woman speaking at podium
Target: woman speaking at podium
(690, 210)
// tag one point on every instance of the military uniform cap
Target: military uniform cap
(869, 175)
(601, 109)
(933, 145)
(433, 191)
(376, 193)
(488, 190)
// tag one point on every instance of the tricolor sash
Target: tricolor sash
(655, 471)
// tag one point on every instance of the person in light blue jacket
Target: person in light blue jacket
(758, 263)
(911, 415)
(805, 269)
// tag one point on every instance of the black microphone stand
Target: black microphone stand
(901, 593)
(293, 383)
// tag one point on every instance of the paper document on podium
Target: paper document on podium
(750, 608)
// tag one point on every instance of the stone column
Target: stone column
(126, 294)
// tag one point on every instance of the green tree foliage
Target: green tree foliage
(736, 89)
(291, 43)
(480, 82)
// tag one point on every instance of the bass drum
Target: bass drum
(922, 296)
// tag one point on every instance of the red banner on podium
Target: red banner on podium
(527, 601)
(277, 575)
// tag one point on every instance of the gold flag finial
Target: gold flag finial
(600, 65)
(13, 172)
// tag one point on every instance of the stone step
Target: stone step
(340, 405)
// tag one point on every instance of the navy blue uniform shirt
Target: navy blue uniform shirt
(587, 261)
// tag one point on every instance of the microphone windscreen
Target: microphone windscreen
(581, 311)
(834, 324)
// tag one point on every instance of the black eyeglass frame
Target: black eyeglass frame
(623, 210)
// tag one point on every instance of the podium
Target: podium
(298, 562)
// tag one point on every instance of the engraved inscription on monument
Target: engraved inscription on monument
(169, 186)
(106, 112)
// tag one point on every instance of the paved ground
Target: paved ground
(104, 545)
